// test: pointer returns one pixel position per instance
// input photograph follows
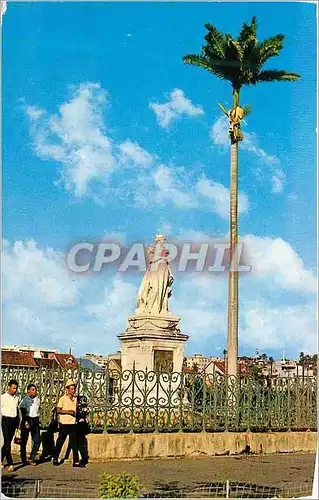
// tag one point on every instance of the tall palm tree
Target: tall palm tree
(239, 61)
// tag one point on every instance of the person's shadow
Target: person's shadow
(47, 441)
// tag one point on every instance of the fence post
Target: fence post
(204, 401)
(227, 489)
(37, 488)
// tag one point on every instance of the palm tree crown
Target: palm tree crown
(240, 60)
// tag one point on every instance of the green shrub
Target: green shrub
(119, 486)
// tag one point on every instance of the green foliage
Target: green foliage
(256, 372)
(240, 60)
(122, 485)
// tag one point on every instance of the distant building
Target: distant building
(87, 364)
(286, 369)
(37, 352)
(18, 359)
(112, 361)
(35, 357)
(65, 361)
(97, 359)
(200, 362)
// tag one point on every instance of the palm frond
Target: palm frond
(233, 52)
(273, 75)
(247, 109)
(270, 48)
(240, 60)
(226, 70)
(216, 40)
(197, 60)
(248, 32)
(211, 53)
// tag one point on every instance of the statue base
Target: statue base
(153, 343)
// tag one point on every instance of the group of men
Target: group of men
(25, 415)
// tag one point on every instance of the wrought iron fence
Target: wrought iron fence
(138, 401)
(227, 489)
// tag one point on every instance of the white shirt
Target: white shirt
(35, 408)
(9, 405)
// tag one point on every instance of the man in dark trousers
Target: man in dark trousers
(9, 421)
(66, 409)
(82, 429)
(47, 438)
(30, 412)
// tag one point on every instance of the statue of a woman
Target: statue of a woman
(156, 287)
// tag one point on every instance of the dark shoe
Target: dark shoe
(56, 462)
(78, 464)
(32, 462)
(25, 463)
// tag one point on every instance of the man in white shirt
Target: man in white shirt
(9, 421)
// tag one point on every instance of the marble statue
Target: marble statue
(156, 287)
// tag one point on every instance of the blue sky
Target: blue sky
(106, 131)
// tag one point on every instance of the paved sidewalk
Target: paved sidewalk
(174, 474)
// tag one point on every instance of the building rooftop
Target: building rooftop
(14, 358)
(19, 347)
(87, 364)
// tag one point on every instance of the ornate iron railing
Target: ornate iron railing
(138, 401)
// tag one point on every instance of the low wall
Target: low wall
(141, 446)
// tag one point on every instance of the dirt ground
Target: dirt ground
(175, 474)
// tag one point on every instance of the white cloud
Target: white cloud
(173, 185)
(93, 163)
(291, 327)
(267, 319)
(118, 303)
(218, 194)
(220, 136)
(278, 181)
(165, 227)
(276, 259)
(3, 9)
(177, 106)
(38, 274)
(77, 138)
(170, 186)
(132, 152)
(44, 304)
(219, 132)
(114, 237)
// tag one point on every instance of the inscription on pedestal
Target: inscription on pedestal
(163, 361)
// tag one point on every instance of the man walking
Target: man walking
(66, 409)
(9, 421)
(30, 411)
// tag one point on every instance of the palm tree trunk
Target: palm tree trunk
(232, 337)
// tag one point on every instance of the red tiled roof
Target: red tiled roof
(13, 358)
(187, 369)
(66, 360)
(220, 365)
(243, 367)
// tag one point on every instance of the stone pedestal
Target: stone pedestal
(147, 337)
(153, 346)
